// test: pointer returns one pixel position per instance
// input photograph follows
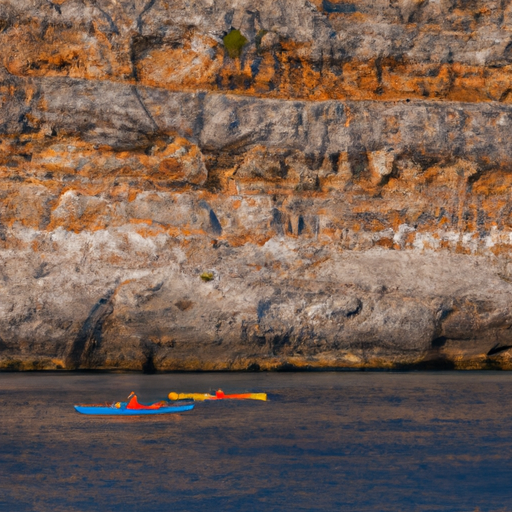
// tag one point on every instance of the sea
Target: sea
(340, 441)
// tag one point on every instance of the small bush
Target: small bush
(234, 42)
(207, 276)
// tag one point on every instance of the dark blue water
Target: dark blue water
(324, 441)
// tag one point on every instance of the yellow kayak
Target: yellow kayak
(219, 395)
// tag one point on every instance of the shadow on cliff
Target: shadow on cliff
(90, 334)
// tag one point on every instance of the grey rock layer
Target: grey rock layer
(286, 302)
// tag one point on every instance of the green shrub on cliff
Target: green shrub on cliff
(234, 42)
(207, 276)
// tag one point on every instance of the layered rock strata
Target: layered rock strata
(255, 185)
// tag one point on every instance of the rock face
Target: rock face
(231, 184)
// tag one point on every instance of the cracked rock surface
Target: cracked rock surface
(230, 184)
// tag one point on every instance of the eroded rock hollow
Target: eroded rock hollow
(232, 184)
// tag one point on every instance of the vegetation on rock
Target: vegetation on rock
(234, 42)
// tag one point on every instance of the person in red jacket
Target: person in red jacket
(133, 403)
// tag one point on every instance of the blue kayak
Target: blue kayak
(112, 410)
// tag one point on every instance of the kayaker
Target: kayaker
(133, 403)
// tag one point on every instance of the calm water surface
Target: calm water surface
(324, 441)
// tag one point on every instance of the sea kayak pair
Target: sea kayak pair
(134, 408)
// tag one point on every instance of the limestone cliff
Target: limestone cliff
(232, 184)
